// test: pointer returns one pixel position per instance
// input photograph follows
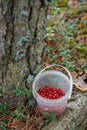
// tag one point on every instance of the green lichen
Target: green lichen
(24, 13)
(24, 72)
(22, 42)
(30, 79)
(19, 55)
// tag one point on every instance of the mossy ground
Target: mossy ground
(67, 28)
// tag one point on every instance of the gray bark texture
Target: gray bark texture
(22, 43)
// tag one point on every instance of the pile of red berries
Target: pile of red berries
(51, 93)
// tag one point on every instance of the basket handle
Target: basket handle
(58, 66)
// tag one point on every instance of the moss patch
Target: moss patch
(64, 3)
(72, 13)
(83, 51)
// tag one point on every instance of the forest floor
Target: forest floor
(66, 45)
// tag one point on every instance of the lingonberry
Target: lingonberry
(51, 93)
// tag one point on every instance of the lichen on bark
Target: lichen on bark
(22, 42)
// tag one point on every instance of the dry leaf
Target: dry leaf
(80, 84)
(14, 124)
(85, 17)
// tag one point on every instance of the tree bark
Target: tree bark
(22, 43)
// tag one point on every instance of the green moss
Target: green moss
(72, 41)
(85, 36)
(83, 28)
(64, 3)
(83, 8)
(83, 51)
(73, 13)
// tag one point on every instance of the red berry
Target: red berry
(47, 88)
(51, 93)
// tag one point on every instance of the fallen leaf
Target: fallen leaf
(80, 84)
(14, 124)
(85, 17)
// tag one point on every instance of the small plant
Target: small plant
(52, 57)
(3, 107)
(51, 116)
(69, 65)
(48, 50)
(76, 46)
(79, 129)
(2, 125)
(19, 113)
(51, 32)
(68, 31)
(23, 91)
(30, 103)
(1, 94)
(65, 53)
(84, 66)
(28, 96)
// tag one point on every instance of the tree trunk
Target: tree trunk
(22, 43)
